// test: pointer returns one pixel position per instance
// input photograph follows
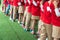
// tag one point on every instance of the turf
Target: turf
(12, 30)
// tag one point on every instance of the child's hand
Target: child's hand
(55, 4)
(19, 3)
(41, 2)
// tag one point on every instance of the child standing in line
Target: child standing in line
(11, 10)
(20, 10)
(56, 20)
(40, 23)
(28, 16)
(15, 8)
(35, 14)
(46, 29)
(25, 12)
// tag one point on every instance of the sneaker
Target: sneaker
(18, 22)
(25, 29)
(13, 20)
(21, 22)
(46, 38)
(38, 38)
(31, 31)
(10, 18)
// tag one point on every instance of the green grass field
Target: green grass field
(12, 30)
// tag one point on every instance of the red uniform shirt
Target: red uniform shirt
(11, 2)
(15, 3)
(30, 6)
(22, 2)
(5, 2)
(25, 3)
(55, 19)
(41, 12)
(36, 9)
(47, 12)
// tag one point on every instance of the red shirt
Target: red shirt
(55, 19)
(15, 3)
(19, 0)
(47, 13)
(41, 13)
(22, 2)
(5, 2)
(11, 2)
(25, 4)
(30, 6)
(36, 9)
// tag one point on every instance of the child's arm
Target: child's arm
(57, 12)
(57, 9)
(34, 3)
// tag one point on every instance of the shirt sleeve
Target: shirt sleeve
(29, 1)
(24, 1)
(35, 3)
(41, 6)
(57, 12)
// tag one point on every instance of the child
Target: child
(25, 12)
(20, 10)
(35, 14)
(46, 29)
(28, 16)
(11, 10)
(56, 20)
(15, 8)
(40, 24)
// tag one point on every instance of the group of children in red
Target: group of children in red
(46, 12)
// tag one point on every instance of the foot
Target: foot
(38, 38)
(13, 20)
(25, 29)
(21, 23)
(18, 22)
(31, 31)
(10, 18)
